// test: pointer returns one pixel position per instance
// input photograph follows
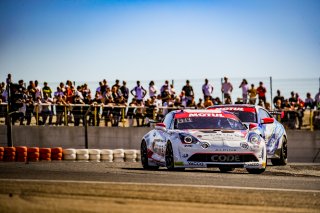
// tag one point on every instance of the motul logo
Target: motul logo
(232, 108)
(206, 115)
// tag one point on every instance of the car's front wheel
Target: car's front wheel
(144, 157)
(282, 161)
(170, 159)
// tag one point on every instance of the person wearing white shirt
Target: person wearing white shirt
(207, 89)
(152, 89)
(226, 89)
(245, 88)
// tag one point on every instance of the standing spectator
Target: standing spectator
(278, 98)
(252, 95)
(245, 88)
(309, 102)
(85, 91)
(117, 85)
(207, 89)
(125, 91)
(57, 93)
(77, 110)
(38, 89)
(317, 100)
(261, 90)
(172, 91)
(32, 90)
(46, 109)
(188, 91)
(60, 105)
(183, 99)
(46, 90)
(226, 89)
(164, 87)
(293, 99)
(152, 89)
(140, 92)
(78, 93)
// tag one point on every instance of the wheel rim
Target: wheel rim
(169, 156)
(284, 150)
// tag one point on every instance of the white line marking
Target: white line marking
(163, 184)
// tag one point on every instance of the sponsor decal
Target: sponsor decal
(252, 164)
(178, 163)
(185, 155)
(196, 164)
(245, 109)
(188, 145)
(244, 145)
(205, 115)
(226, 150)
(225, 158)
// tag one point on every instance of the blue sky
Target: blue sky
(90, 40)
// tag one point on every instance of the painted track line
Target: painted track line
(162, 184)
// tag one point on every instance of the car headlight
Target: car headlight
(185, 138)
(254, 138)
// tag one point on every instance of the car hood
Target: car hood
(218, 135)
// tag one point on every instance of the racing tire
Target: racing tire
(170, 159)
(144, 157)
(256, 171)
(226, 169)
(282, 161)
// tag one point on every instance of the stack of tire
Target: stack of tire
(130, 155)
(33, 153)
(21, 153)
(1, 153)
(94, 155)
(45, 154)
(82, 154)
(107, 155)
(56, 153)
(9, 154)
(69, 154)
(118, 155)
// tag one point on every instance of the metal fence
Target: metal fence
(125, 116)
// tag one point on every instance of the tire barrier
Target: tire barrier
(82, 154)
(107, 155)
(21, 153)
(130, 155)
(94, 155)
(56, 153)
(118, 155)
(33, 154)
(9, 154)
(69, 154)
(45, 154)
(1, 153)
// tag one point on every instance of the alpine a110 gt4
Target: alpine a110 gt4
(201, 139)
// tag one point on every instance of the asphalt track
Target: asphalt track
(126, 187)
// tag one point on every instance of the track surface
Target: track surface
(123, 187)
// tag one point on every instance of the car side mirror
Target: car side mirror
(267, 120)
(252, 126)
(160, 126)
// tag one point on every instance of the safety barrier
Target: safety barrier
(35, 154)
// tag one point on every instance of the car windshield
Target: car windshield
(208, 123)
(249, 117)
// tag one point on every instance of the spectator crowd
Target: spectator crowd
(110, 102)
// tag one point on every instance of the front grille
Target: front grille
(228, 158)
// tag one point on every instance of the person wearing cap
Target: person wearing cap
(226, 90)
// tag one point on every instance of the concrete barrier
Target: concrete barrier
(303, 146)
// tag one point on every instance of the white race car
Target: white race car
(201, 139)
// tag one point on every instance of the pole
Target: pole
(271, 101)
(9, 131)
(222, 100)
(86, 143)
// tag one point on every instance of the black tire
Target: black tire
(170, 159)
(144, 157)
(226, 169)
(282, 161)
(256, 171)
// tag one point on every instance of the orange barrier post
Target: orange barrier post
(33, 154)
(45, 154)
(56, 153)
(1, 153)
(21, 153)
(9, 154)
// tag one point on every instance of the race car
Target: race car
(272, 131)
(201, 139)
